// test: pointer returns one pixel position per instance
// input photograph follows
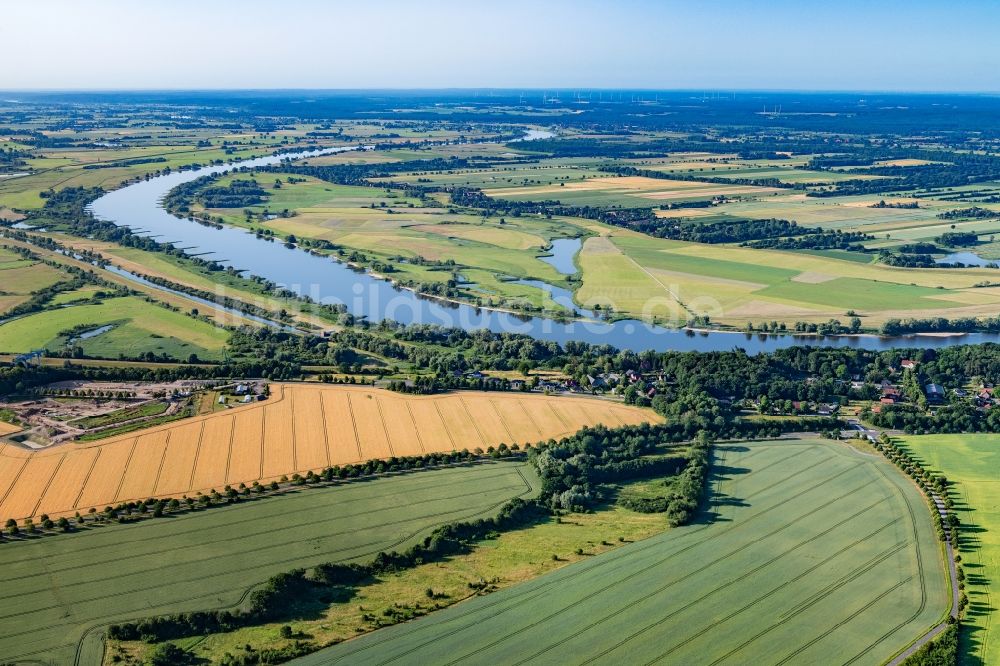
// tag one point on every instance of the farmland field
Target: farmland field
(643, 276)
(209, 559)
(972, 463)
(389, 225)
(136, 327)
(818, 554)
(627, 191)
(301, 428)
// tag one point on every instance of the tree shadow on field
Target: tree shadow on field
(977, 583)
(716, 499)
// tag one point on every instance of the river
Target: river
(139, 207)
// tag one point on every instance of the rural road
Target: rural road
(935, 631)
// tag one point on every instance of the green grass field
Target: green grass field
(139, 327)
(819, 554)
(210, 559)
(641, 276)
(973, 463)
(19, 278)
(485, 251)
(121, 415)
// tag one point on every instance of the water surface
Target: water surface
(325, 280)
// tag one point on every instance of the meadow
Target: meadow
(210, 559)
(387, 226)
(631, 191)
(971, 463)
(642, 276)
(817, 553)
(301, 428)
(790, 170)
(138, 327)
(20, 277)
(505, 559)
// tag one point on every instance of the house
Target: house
(222, 399)
(596, 382)
(935, 393)
(961, 393)
(516, 384)
(891, 396)
(241, 389)
(908, 364)
(247, 399)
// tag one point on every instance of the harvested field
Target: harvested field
(8, 428)
(302, 428)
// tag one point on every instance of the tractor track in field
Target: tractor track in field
(651, 545)
(448, 516)
(717, 589)
(658, 590)
(243, 535)
(612, 574)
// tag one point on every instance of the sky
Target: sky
(916, 45)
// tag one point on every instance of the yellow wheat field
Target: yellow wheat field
(7, 428)
(302, 427)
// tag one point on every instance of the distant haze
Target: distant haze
(722, 44)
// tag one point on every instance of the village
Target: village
(91, 410)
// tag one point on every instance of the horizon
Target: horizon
(520, 90)
(853, 46)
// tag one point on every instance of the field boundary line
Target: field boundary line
(263, 436)
(413, 422)
(86, 479)
(247, 591)
(197, 454)
(447, 430)
(48, 484)
(256, 520)
(559, 416)
(385, 430)
(229, 452)
(128, 462)
(267, 546)
(354, 426)
(933, 631)
(295, 443)
(499, 416)
(163, 457)
(465, 408)
(14, 482)
(326, 435)
(531, 418)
